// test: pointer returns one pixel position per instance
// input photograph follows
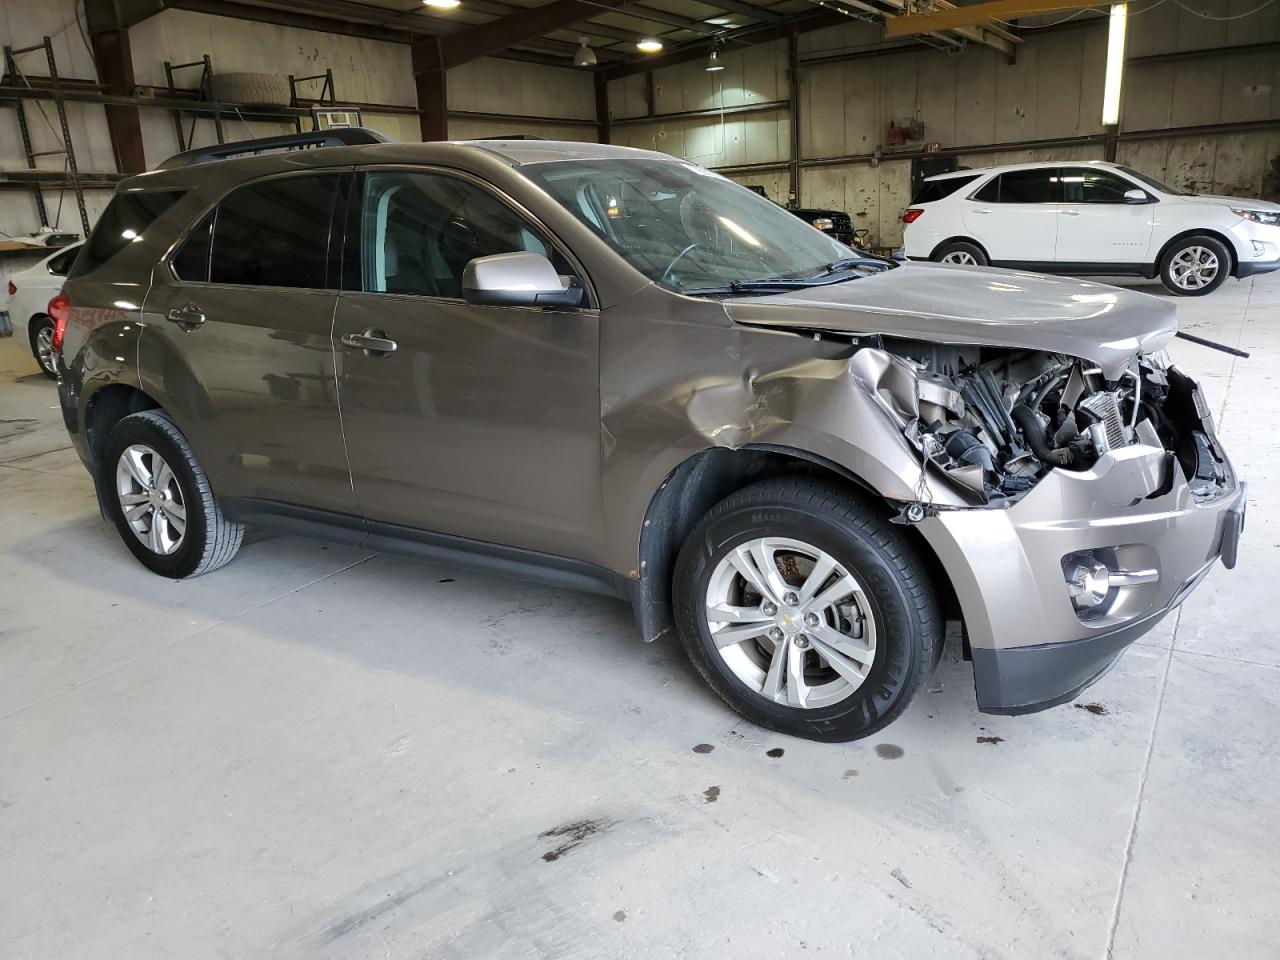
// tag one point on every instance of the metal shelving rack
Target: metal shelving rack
(37, 179)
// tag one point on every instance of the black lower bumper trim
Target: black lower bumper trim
(1255, 267)
(1018, 680)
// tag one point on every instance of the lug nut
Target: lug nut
(768, 609)
(790, 599)
(775, 634)
(810, 619)
(802, 642)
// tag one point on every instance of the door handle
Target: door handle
(981, 210)
(188, 315)
(1070, 213)
(371, 342)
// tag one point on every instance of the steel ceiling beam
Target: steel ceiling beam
(976, 15)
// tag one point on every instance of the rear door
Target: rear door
(238, 342)
(1015, 215)
(481, 422)
(1097, 226)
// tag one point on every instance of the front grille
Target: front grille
(1105, 409)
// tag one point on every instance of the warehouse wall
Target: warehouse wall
(972, 98)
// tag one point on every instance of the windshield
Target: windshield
(1156, 184)
(687, 228)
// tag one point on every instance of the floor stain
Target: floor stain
(703, 748)
(850, 774)
(620, 915)
(712, 794)
(776, 752)
(901, 877)
(991, 740)
(889, 751)
(1097, 709)
(446, 580)
(570, 835)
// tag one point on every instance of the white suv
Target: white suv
(1093, 219)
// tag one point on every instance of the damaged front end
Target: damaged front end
(991, 422)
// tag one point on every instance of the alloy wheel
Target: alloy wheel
(791, 622)
(960, 256)
(44, 350)
(1194, 268)
(151, 499)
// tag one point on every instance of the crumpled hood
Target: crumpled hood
(942, 303)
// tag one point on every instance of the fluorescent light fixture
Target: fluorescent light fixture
(1115, 65)
(649, 45)
(714, 64)
(443, 4)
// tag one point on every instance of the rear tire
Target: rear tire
(962, 253)
(160, 500)
(41, 333)
(832, 671)
(1194, 266)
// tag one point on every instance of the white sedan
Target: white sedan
(1091, 219)
(29, 293)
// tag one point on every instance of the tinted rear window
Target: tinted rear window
(932, 190)
(275, 233)
(60, 265)
(1041, 185)
(123, 222)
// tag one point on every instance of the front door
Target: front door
(1015, 216)
(238, 343)
(473, 421)
(1097, 226)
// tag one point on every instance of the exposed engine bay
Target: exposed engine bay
(993, 420)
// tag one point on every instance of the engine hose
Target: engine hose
(1033, 433)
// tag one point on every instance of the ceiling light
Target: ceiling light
(443, 4)
(585, 56)
(649, 45)
(1115, 65)
(714, 62)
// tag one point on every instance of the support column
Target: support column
(430, 80)
(602, 107)
(793, 97)
(124, 123)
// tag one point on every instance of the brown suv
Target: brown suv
(613, 370)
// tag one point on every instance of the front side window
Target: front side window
(1155, 184)
(274, 233)
(684, 227)
(1040, 185)
(126, 218)
(1087, 185)
(420, 230)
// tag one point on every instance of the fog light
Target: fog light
(1088, 581)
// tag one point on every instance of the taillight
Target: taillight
(911, 214)
(12, 288)
(59, 310)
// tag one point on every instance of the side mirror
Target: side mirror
(518, 280)
(1136, 196)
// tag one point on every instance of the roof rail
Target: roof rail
(344, 137)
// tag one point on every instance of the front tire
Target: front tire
(962, 253)
(160, 500)
(1195, 266)
(41, 332)
(806, 610)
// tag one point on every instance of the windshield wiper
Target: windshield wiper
(875, 263)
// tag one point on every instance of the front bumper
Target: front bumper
(1255, 267)
(1031, 650)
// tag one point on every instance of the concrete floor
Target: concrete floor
(319, 753)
